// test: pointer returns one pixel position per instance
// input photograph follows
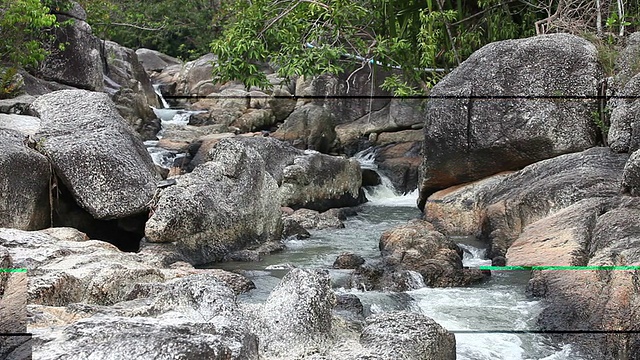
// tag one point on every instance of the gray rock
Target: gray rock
(153, 60)
(79, 64)
(95, 153)
(624, 132)
(308, 179)
(18, 105)
(314, 220)
(296, 317)
(68, 8)
(406, 335)
(226, 204)
(309, 127)
(468, 139)
(191, 317)
(134, 96)
(27, 125)
(631, 175)
(24, 183)
(348, 261)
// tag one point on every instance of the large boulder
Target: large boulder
(406, 335)
(78, 61)
(98, 157)
(296, 317)
(309, 127)
(155, 61)
(130, 88)
(469, 134)
(631, 175)
(309, 179)
(499, 208)
(24, 183)
(226, 204)
(593, 232)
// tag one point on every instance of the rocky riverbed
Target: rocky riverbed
(115, 244)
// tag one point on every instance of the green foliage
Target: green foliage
(416, 35)
(24, 24)
(10, 82)
(180, 28)
(601, 120)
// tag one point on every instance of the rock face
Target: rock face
(592, 232)
(80, 63)
(130, 88)
(155, 61)
(95, 153)
(404, 335)
(297, 315)
(24, 183)
(226, 204)
(499, 208)
(470, 138)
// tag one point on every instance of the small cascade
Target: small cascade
(385, 193)
(169, 118)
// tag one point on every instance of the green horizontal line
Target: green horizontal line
(17, 270)
(553, 267)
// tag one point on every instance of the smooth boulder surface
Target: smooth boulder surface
(309, 127)
(624, 132)
(98, 157)
(24, 183)
(631, 175)
(227, 204)
(406, 335)
(469, 138)
(592, 232)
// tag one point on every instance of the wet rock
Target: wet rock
(401, 163)
(227, 204)
(309, 127)
(416, 246)
(24, 180)
(292, 228)
(95, 153)
(348, 261)
(296, 317)
(255, 253)
(467, 139)
(631, 175)
(313, 220)
(406, 335)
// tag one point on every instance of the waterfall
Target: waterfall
(384, 194)
(156, 88)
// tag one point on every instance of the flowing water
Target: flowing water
(473, 313)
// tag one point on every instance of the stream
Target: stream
(497, 304)
(473, 313)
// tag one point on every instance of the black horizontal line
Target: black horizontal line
(545, 331)
(425, 97)
(15, 334)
